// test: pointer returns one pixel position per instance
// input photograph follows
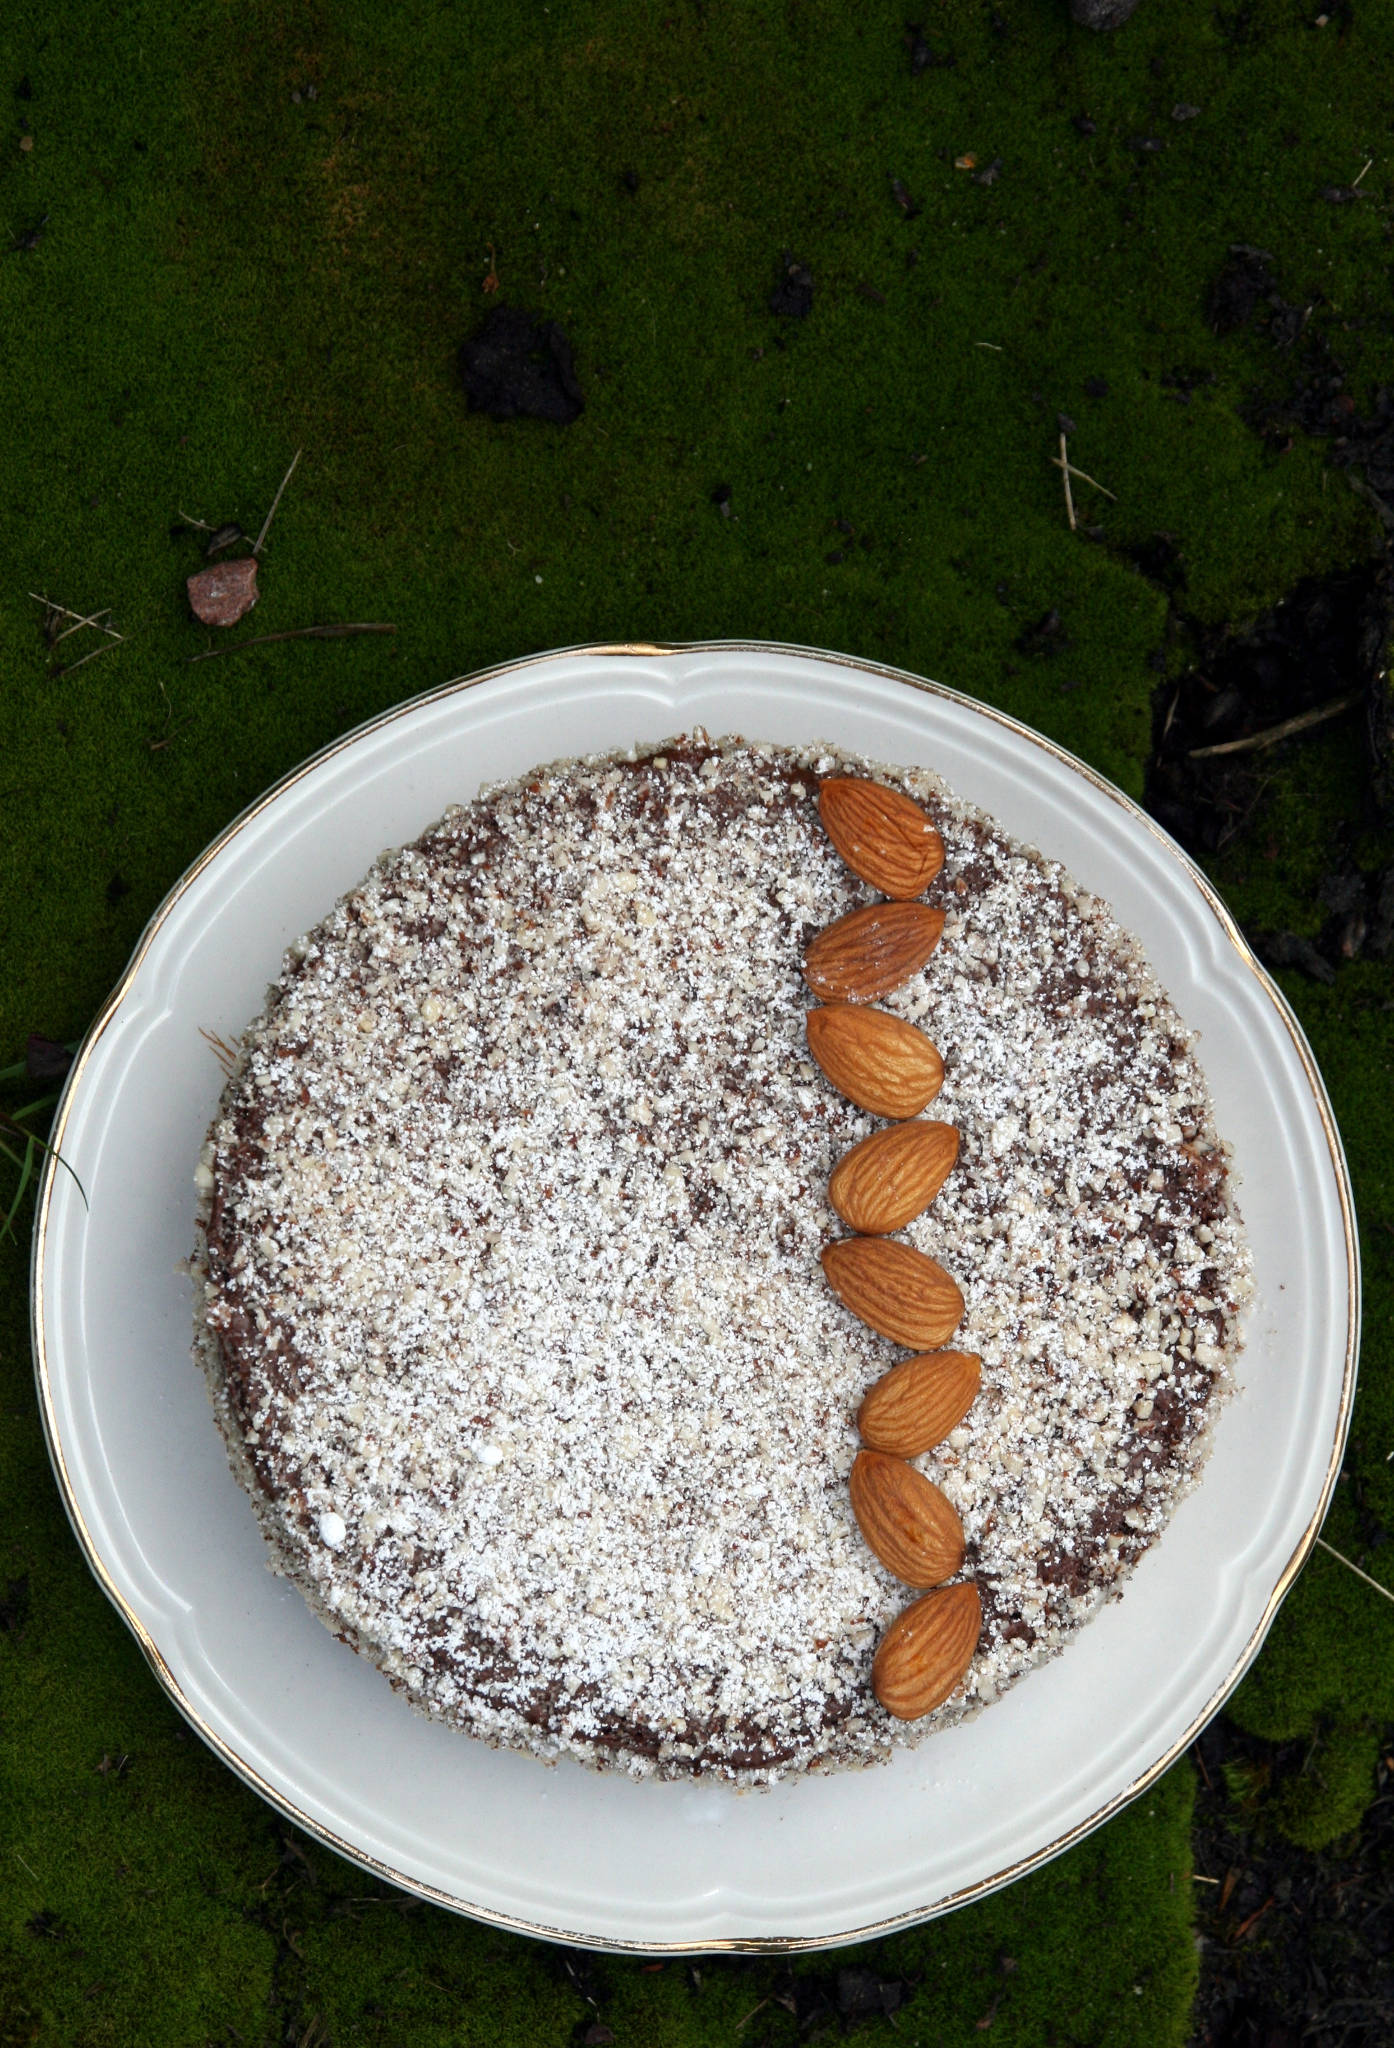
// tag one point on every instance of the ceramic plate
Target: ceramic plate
(563, 1852)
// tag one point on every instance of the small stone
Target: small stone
(332, 1529)
(222, 595)
(1184, 111)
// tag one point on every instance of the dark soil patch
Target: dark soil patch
(1306, 653)
(1319, 655)
(516, 365)
(1295, 1948)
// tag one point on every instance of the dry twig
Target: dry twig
(296, 633)
(1083, 476)
(1064, 466)
(1271, 735)
(1247, 1926)
(95, 620)
(266, 523)
(1322, 1544)
(69, 666)
(80, 618)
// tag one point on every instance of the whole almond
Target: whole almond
(881, 1183)
(871, 951)
(926, 1651)
(915, 1405)
(882, 835)
(905, 1519)
(897, 1290)
(877, 1061)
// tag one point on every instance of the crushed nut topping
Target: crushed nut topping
(510, 1297)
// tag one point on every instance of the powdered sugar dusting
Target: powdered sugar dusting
(512, 1307)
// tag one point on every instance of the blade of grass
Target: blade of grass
(26, 1174)
(7, 1122)
(30, 1108)
(16, 1158)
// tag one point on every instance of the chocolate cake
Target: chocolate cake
(509, 1293)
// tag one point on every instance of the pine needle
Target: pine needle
(1064, 467)
(266, 523)
(1322, 1544)
(296, 633)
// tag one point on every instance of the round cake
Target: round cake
(509, 1285)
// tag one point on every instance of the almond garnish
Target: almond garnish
(905, 1519)
(882, 835)
(915, 1405)
(897, 1290)
(881, 1183)
(877, 1061)
(871, 951)
(926, 1651)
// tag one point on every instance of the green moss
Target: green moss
(227, 274)
(1337, 1783)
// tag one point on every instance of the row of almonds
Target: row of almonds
(888, 1067)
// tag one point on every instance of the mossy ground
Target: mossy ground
(227, 272)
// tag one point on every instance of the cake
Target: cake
(509, 1292)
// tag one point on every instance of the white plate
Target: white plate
(563, 1852)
